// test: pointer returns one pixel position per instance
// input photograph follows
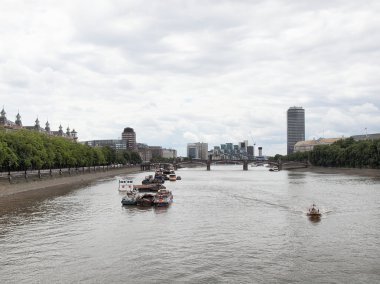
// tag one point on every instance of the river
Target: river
(225, 226)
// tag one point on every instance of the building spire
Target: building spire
(18, 118)
(47, 126)
(3, 113)
(60, 131)
(37, 125)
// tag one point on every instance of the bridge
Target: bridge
(206, 163)
(244, 163)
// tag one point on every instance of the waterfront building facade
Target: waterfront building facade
(156, 151)
(308, 145)
(197, 150)
(148, 152)
(169, 153)
(295, 127)
(144, 152)
(117, 144)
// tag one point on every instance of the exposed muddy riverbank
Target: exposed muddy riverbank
(56, 183)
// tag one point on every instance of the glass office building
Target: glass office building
(295, 127)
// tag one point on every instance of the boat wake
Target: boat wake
(263, 201)
(304, 210)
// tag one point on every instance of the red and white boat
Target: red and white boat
(163, 197)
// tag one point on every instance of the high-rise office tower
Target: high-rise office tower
(295, 127)
(130, 135)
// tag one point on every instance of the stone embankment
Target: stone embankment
(75, 179)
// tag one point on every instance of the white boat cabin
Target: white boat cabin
(125, 184)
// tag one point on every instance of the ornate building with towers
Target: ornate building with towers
(17, 124)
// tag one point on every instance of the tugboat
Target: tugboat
(163, 198)
(314, 212)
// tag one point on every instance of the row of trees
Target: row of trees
(342, 153)
(24, 149)
(157, 159)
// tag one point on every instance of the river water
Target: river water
(225, 226)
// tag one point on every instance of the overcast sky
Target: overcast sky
(192, 71)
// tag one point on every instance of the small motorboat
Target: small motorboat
(274, 169)
(314, 212)
(130, 198)
(179, 178)
(148, 179)
(172, 177)
(125, 184)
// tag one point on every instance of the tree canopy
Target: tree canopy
(342, 153)
(24, 149)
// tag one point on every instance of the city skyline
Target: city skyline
(220, 71)
(133, 143)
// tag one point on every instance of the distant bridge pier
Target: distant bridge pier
(145, 167)
(245, 165)
(208, 165)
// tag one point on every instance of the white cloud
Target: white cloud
(185, 71)
(367, 108)
(191, 137)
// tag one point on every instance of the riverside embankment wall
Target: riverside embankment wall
(56, 182)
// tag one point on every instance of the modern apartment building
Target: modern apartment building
(295, 127)
(197, 150)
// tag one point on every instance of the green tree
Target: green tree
(135, 158)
